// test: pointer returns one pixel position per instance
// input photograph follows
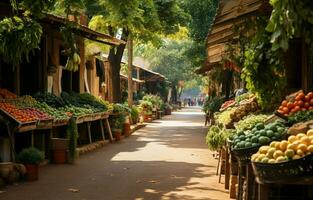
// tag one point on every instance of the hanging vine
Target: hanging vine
(263, 70)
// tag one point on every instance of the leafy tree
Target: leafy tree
(141, 20)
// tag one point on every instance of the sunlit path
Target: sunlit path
(168, 159)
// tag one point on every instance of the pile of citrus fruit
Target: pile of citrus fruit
(296, 147)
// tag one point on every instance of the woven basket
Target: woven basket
(294, 170)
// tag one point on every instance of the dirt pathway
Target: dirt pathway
(167, 160)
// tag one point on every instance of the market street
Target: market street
(168, 159)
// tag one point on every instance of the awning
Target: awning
(134, 79)
(231, 12)
(82, 30)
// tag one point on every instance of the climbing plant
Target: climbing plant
(263, 70)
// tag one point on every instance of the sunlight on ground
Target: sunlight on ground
(155, 151)
(178, 123)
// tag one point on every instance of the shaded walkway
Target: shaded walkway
(168, 159)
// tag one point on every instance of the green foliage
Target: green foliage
(242, 97)
(202, 15)
(38, 7)
(145, 107)
(263, 71)
(31, 156)
(134, 113)
(212, 104)
(18, 37)
(155, 100)
(72, 136)
(290, 19)
(217, 136)
(117, 121)
(301, 116)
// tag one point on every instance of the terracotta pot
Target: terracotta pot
(32, 172)
(127, 129)
(117, 135)
(59, 156)
(145, 118)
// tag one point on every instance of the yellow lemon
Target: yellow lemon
(264, 149)
(274, 142)
(270, 152)
(292, 146)
(272, 161)
(295, 157)
(283, 145)
(277, 154)
(302, 147)
(310, 148)
(289, 153)
(277, 145)
(300, 152)
(305, 140)
(254, 156)
(281, 159)
(292, 138)
(300, 135)
(310, 132)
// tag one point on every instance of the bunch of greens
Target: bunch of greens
(217, 136)
(84, 100)
(242, 97)
(250, 121)
(155, 100)
(134, 114)
(225, 116)
(212, 104)
(18, 37)
(145, 107)
(301, 116)
(49, 98)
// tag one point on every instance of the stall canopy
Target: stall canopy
(82, 30)
(230, 13)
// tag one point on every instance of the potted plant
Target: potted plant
(117, 134)
(31, 158)
(126, 126)
(134, 114)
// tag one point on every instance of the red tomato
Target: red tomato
(306, 105)
(310, 94)
(290, 105)
(285, 110)
(297, 108)
(303, 109)
(310, 108)
(307, 98)
(280, 111)
(301, 95)
(284, 103)
(311, 102)
(300, 103)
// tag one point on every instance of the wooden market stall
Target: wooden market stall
(44, 73)
(232, 13)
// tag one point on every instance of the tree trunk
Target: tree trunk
(130, 71)
(115, 59)
(174, 94)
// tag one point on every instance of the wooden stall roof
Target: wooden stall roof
(229, 13)
(82, 30)
(134, 79)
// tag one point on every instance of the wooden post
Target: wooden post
(17, 80)
(130, 71)
(102, 129)
(89, 132)
(82, 67)
(55, 60)
(109, 129)
(227, 169)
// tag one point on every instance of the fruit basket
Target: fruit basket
(294, 170)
